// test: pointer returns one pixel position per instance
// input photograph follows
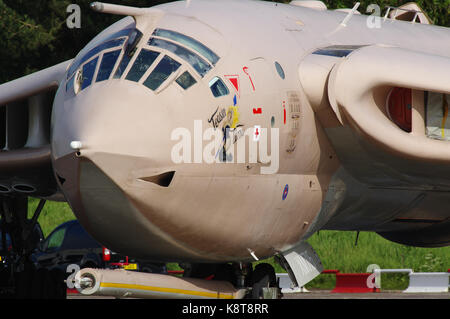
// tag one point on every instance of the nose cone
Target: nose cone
(106, 212)
(118, 128)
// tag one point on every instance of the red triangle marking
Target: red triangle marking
(234, 80)
(235, 83)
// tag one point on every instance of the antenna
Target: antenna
(117, 9)
(144, 17)
(350, 15)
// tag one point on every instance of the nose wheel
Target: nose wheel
(260, 281)
(264, 282)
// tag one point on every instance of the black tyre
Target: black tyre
(263, 276)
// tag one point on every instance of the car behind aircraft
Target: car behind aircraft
(69, 244)
(9, 257)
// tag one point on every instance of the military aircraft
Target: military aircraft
(217, 133)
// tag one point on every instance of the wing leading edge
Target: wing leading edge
(25, 111)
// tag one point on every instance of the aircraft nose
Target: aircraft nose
(104, 140)
(115, 117)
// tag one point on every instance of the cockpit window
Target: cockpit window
(218, 88)
(198, 63)
(108, 61)
(122, 66)
(186, 80)
(115, 52)
(161, 72)
(88, 73)
(130, 50)
(188, 42)
(144, 60)
(338, 51)
(92, 52)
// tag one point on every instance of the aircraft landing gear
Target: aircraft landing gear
(223, 272)
(264, 282)
(260, 281)
(23, 280)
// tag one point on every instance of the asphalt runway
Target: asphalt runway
(326, 294)
(379, 295)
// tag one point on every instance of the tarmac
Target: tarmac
(389, 294)
(327, 294)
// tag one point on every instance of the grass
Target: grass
(337, 250)
(53, 214)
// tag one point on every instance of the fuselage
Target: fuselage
(126, 181)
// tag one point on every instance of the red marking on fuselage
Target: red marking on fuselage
(284, 111)
(234, 80)
(257, 110)
(245, 69)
